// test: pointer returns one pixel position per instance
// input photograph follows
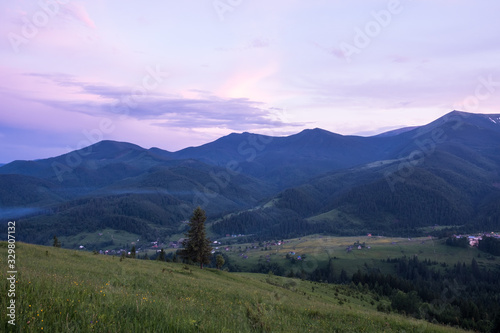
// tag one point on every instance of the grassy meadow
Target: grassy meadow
(317, 250)
(61, 290)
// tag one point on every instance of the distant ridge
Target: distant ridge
(314, 181)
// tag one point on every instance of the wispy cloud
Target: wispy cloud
(206, 110)
(237, 114)
(78, 13)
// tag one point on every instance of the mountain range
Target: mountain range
(407, 181)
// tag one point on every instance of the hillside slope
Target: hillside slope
(78, 291)
(445, 173)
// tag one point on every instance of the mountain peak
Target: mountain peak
(316, 131)
(459, 113)
(113, 146)
(468, 115)
(481, 120)
(106, 149)
(457, 119)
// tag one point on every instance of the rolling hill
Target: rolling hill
(79, 291)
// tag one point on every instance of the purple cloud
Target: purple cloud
(207, 111)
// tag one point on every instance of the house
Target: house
(474, 240)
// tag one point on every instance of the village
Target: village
(473, 240)
(171, 246)
(229, 243)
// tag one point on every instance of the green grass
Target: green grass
(89, 239)
(319, 249)
(334, 216)
(61, 290)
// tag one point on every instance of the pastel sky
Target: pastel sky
(173, 74)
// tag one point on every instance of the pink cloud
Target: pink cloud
(245, 83)
(79, 13)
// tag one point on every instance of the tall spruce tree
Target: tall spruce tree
(196, 245)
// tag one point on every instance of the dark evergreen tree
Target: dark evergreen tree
(56, 243)
(490, 245)
(458, 242)
(330, 271)
(132, 252)
(343, 277)
(161, 256)
(196, 245)
(220, 261)
(496, 324)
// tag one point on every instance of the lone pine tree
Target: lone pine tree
(196, 245)
(56, 243)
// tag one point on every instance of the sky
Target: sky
(173, 74)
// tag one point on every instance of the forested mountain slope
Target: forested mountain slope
(443, 173)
